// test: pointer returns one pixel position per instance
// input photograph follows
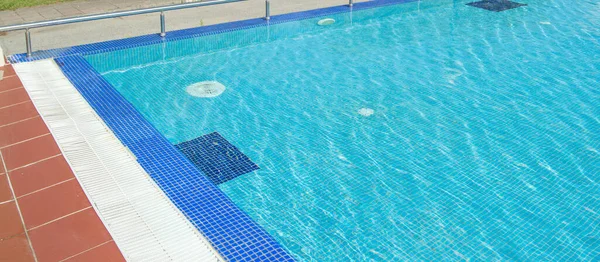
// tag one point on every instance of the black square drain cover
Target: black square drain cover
(496, 5)
(216, 157)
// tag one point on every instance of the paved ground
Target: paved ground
(75, 8)
(89, 32)
(44, 213)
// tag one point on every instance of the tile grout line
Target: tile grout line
(89, 249)
(18, 209)
(59, 218)
(6, 91)
(7, 65)
(6, 77)
(16, 122)
(6, 202)
(33, 163)
(38, 190)
(15, 104)
(25, 141)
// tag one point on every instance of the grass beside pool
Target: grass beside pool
(14, 4)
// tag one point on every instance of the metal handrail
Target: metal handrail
(78, 19)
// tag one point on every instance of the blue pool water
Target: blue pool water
(484, 142)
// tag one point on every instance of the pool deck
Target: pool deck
(118, 28)
(45, 214)
(74, 8)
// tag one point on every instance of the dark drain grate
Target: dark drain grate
(216, 157)
(496, 5)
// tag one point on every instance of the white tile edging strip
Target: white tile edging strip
(144, 223)
(1, 59)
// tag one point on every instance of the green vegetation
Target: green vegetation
(14, 4)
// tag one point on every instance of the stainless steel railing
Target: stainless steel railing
(267, 10)
(161, 9)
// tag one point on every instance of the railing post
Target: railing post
(28, 42)
(163, 28)
(351, 3)
(267, 10)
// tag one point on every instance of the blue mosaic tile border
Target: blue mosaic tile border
(119, 44)
(231, 231)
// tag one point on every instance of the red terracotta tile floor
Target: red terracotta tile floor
(44, 213)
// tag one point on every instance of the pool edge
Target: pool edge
(144, 40)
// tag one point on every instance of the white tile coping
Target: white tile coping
(143, 222)
(1, 59)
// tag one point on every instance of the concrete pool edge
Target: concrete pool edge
(144, 40)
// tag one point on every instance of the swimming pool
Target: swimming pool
(428, 130)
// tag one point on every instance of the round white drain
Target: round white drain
(326, 21)
(205, 89)
(366, 111)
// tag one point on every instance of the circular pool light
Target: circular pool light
(205, 89)
(326, 21)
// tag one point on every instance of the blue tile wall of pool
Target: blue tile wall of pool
(232, 232)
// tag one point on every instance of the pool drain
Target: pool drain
(205, 89)
(326, 21)
(496, 5)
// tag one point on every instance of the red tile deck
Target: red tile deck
(5, 193)
(14, 96)
(40, 175)
(107, 252)
(10, 221)
(8, 71)
(16, 249)
(16, 113)
(2, 171)
(21, 131)
(45, 215)
(69, 236)
(12, 83)
(52, 203)
(29, 152)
